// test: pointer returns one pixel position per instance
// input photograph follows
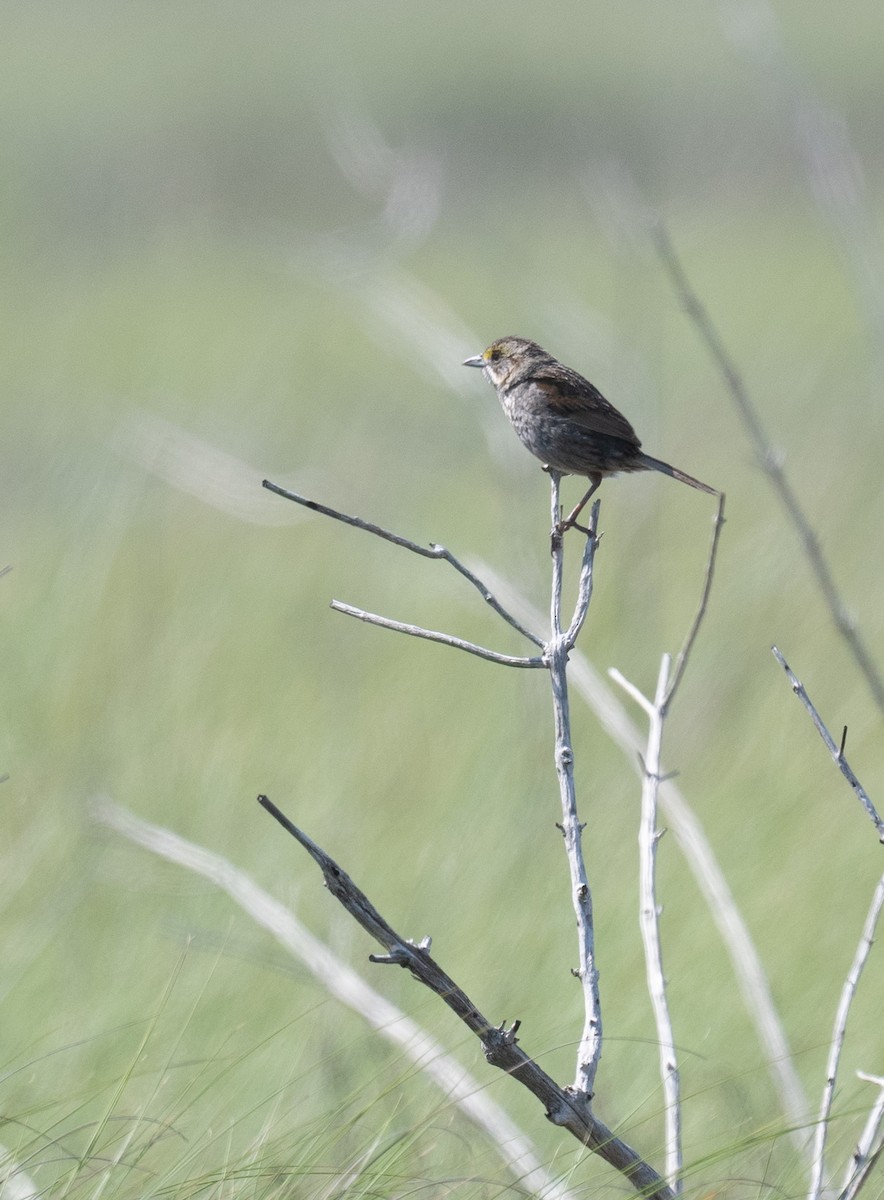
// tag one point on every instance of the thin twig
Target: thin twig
(768, 460)
(834, 749)
(848, 991)
(584, 583)
(563, 1106)
(432, 551)
(870, 1145)
(520, 1156)
(589, 1050)
(432, 635)
(681, 661)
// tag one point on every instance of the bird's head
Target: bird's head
(508, 359)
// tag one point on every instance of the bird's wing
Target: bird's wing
(581, 402)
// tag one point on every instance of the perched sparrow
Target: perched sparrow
(563, 420)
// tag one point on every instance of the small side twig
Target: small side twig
(769, 461)
(681, 661)
(432, 551)
(563, 1106)
(848, 992)
(584, 582)
(432, 635)
(834, 749)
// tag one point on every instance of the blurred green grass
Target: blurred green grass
(181, 238)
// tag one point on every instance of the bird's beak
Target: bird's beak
(476, 361)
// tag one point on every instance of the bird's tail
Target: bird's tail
(655, 464)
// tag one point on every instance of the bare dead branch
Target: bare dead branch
(769, 461)
(649, 913)
(432, 551)
(836, 751)
(563, 1106)
(432, 635)
(589, 1049)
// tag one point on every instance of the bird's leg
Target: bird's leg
(571, 521)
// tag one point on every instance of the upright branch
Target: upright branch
(556, 658)
(649, 836)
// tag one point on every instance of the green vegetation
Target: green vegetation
(184, 240)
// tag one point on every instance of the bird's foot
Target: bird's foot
(563, 526)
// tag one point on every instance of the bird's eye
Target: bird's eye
(494, 355)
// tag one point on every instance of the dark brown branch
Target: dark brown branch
(563, 1106)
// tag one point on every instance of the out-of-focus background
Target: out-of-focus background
(242, 241)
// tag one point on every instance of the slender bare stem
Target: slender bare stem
(836, 750)
(590, 1048)
(649, 838)
(869, 1147)
(584, 583)
(649, 914)
(564, 1107)
(431, 635)
(769, 461)
(682, 661)
(432, 551)
(848, 992)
